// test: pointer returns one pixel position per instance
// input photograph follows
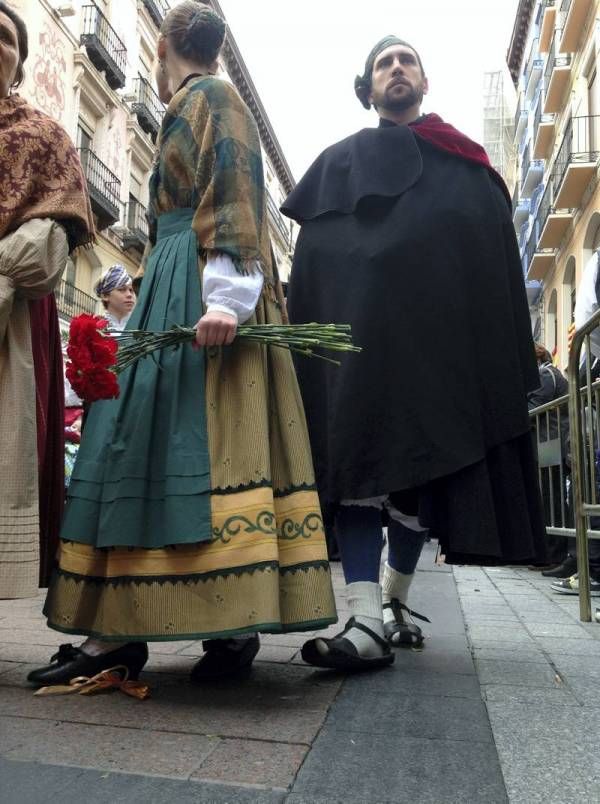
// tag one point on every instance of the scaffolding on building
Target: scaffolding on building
(498, 125)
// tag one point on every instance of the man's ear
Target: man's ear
(162, 48)
(425, 85)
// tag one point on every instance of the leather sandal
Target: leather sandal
(399, 632)
(342, 653)
(70, 662)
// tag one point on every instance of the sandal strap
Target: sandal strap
(354, 623)
(397, 606)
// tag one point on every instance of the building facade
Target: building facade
(498, 118)
(553, 60)
(90, 67)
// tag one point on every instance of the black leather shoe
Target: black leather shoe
(71, 662)
(564, 570)
(225, 658)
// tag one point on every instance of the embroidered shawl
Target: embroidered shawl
(209, 159)
(40, 173)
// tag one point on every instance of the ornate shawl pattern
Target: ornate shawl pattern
(209, 159)
(40, 173)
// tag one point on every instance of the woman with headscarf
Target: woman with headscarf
(115, 291)
(192, 508)
(44, 214)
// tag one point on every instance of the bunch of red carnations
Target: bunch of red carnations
(92, 365)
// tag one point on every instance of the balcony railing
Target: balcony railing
(533, 70)
(278, 220)
(580, 146)
(525, 163)
(157, 10)
(555, 79)
(104, 48)
(104, 188)
(530, 248)
(147, 107)
(71, 301)
(520, 119)
(564, 6)
(136, 234)
(544, 208)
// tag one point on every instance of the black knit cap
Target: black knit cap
(362, 83)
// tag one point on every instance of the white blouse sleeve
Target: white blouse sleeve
(225, 290)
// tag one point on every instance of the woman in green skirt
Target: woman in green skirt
(192, 509)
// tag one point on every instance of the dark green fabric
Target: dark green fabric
(362, 83)
(142, 476)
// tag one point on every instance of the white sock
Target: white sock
(364, 602)
(97, 647)
(394, 584)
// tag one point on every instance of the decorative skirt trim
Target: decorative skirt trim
(264, 600)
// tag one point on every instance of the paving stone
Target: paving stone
(252, 762)
(4, 666)
(426, 771)
(541, 756)
(501, 652)
(34, 783)
(415, 716)
(576, 665)
(286, 640)
(585, 690)
(170, 647)
(572, 647)
(558, 695)
(32, 636)
(278, 702)
(276, 653)
(432, 659)
(104, 747)
(397, 680)
(34, 654)
(558, 630)
(498, 633)
(494, 671)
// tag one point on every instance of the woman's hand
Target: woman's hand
(215, 329)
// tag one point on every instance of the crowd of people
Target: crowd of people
(196, 500)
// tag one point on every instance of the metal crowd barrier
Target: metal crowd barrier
(567, 433)
(584, 418)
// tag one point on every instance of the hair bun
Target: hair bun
(205, 22)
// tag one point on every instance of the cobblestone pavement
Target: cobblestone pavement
(501, 705)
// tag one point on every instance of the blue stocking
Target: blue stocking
(360, 539)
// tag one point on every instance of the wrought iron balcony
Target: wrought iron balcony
(552, 224)
(278, 220)
(556, 77)
(575, 14)
(157, 10)
(136, 233)
(537, 262)
(576, 161)
(147, 107)
(104, 48)
(104, 189)
(71, 301)
(547, 24)
(543, 131)
(520, 120)
(531, 173)
(533, 70)
(521, 209)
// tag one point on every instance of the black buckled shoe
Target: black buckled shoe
(225, 658)
(70, 662)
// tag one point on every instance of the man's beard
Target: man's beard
(414, 97)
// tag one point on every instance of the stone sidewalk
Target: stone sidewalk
(501, 705)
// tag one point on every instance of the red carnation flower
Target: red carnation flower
(91, 354)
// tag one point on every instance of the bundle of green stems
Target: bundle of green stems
(303, 339)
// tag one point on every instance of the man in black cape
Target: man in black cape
(407, 235)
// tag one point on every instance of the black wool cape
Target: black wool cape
(415, 248)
